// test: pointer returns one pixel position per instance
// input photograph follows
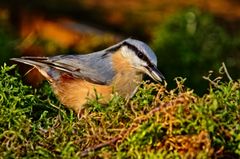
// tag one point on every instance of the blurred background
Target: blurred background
(189, 37)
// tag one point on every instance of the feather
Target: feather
(91, 67)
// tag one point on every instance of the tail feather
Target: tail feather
(34, 57)
(45, 62)
(43, 68)
(31, 62)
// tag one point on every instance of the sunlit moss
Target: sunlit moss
(156, 123)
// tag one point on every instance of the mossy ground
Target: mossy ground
(155, 123)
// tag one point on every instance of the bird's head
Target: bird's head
(140, 57)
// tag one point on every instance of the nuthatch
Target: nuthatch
(119, 68)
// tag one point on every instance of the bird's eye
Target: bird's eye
(140, 55)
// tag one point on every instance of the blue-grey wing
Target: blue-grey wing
(92, 67)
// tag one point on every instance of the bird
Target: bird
(117, 69)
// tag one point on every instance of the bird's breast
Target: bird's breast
(126, 83)
(74, 92)
(127, 78)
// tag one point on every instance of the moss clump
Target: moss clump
(156, 123)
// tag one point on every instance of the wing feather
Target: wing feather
(92, 67)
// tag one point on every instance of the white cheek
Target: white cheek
(125, 52)
(129, 55)
(138, 63)
(143, 65)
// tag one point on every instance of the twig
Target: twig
(112, 141)
(30, 70)
(210, 81)
(226, 71)
(56, 107)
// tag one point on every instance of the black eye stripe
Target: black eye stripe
(139, 53)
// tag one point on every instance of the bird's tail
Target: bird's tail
(33, 61)
(38, 63)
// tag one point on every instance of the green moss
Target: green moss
(156, 123)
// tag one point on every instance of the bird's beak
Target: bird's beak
(155, 74)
